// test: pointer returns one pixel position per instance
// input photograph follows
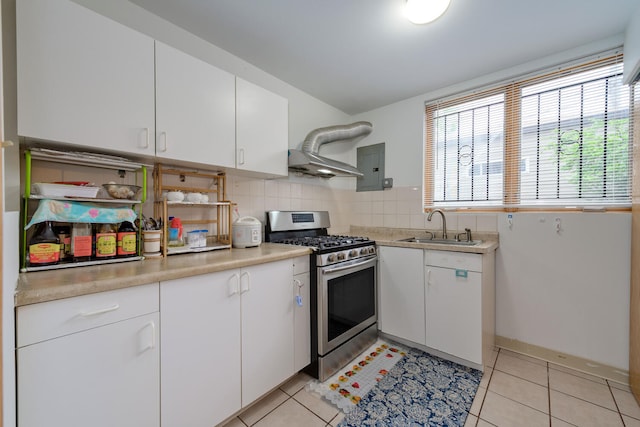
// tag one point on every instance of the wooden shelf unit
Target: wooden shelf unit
(221, 235)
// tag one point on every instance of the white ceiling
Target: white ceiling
(357, 55)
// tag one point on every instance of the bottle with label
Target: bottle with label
(44, 246)
(127, 240)
(81, 241)
(106, 241)
(64, 234)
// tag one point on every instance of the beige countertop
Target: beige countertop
(385, 236)
(35, 287)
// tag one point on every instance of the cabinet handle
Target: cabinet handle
(243, 288)
(234, 286)
(114, 307)
(153, 335)
(241, 156)
(152, 344)
(164, 134)
(428, 277)
(146, 142)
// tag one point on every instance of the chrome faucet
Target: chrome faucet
(444, 222)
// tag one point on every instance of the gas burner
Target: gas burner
(326, 242)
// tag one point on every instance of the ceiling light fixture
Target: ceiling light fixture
(425, 11)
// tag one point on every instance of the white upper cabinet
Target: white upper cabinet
(86, 80)
(262, 129)
(83, 79)
(195, 109)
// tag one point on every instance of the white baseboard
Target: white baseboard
(567, 360)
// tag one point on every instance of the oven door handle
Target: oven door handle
(348, 267)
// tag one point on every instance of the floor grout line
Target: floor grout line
(489, 383)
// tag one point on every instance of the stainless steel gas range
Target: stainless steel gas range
(343, 287)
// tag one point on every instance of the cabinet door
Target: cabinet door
(401, 300)
(454, 317)
(102, 377)
(83, 79)
(195, 109)
(200, 349)
(302, 321)
(267, 327)
(262, 129)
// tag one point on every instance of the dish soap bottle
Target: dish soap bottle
(127, 240)
(106, 241)
(44, 246)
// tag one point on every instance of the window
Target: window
(560, 139)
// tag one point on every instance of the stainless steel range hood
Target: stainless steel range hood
(307, 160)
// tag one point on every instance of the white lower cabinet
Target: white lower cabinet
(401, 299)
(200, 334)
(301, 313)
(442, 300)
(453, 300)
(267, 328)
(460, 304)
(93, 362)
(227, 339)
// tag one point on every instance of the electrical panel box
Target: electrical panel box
(371, 164)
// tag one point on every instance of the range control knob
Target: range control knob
(364, 251)
(372, 250)
(331, 258)
(341, 256)
(353, 253)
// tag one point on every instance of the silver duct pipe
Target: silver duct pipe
(342, 133)
(307, 161)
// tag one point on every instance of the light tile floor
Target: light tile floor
(516, 391)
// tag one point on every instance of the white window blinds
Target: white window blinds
(561, 139)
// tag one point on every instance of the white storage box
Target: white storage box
(64, 190)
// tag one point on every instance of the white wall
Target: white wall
(566, 291)
(578, 301)
(632, 47)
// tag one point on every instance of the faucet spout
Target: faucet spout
(444, 221)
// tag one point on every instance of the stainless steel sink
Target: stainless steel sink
(441, 241)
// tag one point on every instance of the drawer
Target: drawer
(40, 322)
(301, 264)
(459, 260)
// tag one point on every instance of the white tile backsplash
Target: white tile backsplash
(397, 207)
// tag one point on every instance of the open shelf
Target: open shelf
(219, 235)
(92, 160)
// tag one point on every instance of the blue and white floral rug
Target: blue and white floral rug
(420, 390)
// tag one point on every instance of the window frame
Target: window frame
(512, 91)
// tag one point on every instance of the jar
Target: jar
(106, 241)
(151, 241)
(127, 240)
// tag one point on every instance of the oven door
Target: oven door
(346, 301)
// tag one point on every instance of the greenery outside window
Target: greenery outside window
(558, 140)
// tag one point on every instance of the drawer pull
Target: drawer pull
(462, 273)
(234, 286)
(114, 307)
